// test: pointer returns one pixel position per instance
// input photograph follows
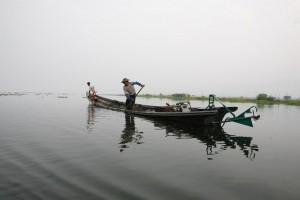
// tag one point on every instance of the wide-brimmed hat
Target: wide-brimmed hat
(125, 80)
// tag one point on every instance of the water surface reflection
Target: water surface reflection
(215, 139)
(130, 134)
(90, 117)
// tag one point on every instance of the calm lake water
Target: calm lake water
(56, 146)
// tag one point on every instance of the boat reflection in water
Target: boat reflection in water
(215, 139)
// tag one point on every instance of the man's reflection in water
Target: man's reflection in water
(90, 117)
(130, 133)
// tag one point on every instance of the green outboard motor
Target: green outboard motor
(241, 119)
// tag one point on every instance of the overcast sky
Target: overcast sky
(200, 47)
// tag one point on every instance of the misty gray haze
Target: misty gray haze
(228, 48)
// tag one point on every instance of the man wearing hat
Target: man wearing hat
(130, 92)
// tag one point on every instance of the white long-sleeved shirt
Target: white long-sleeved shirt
(129, 89)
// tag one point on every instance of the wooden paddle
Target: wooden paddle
(139, 91)
(133, 102)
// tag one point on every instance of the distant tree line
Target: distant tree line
(261, 98)
(180, 95)
(265, 97)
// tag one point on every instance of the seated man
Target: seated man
(92, 91)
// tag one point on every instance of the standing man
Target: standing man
(92, 91)
(130, 92)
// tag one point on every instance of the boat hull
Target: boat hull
(197, 116)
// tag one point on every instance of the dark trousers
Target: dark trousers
(130, 103)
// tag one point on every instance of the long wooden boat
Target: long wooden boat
(181, 112)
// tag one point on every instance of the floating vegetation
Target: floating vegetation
(40, 93)
(12, 94)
